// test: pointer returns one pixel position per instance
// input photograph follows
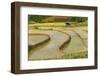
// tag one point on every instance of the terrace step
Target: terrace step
(52, 49)
(35, 39)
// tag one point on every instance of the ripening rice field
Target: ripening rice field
(47, 41)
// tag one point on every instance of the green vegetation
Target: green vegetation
(56, 24)
(36, 18)
(75, 55)
(32, 19)
(77, 19)
(85, 23)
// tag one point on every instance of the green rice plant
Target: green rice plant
(75, 55)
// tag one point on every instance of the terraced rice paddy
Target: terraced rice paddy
(57, 43)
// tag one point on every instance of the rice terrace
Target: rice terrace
(57, 37)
